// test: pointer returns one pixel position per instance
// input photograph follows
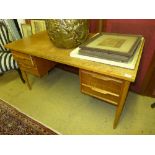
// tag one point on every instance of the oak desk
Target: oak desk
(37, 54)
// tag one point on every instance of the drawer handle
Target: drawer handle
(102, 77)
(101, 91)
(25, 66)
(20, 56)
(20, 59)
(31, 61)
(106, 78)
(104, 92)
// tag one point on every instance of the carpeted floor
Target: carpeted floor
(56, 102)
(13, 122)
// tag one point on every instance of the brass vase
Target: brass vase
(67, 33)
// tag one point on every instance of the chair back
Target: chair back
(7, 62)
(4, 36)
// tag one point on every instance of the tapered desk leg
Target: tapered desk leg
(26, 79)
(120, 106)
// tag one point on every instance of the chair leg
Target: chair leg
(20, 74)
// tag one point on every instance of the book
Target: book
(114, 46)
(129, 64)
(114, 57)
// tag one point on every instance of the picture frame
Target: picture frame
(26, 30)
(38, 26)
(112, 43)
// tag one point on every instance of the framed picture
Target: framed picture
(38, 26)
(112, 43)
(26, 30)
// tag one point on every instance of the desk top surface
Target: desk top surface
(40, 45)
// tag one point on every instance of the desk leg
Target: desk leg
(26, 79)
(121, 103)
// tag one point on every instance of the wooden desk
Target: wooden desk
(109, 83)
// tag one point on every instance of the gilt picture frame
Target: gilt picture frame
(112, 43)
(26, 30)
(38, 26)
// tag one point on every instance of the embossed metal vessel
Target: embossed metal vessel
(67, 33)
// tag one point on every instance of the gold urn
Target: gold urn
(67, 33)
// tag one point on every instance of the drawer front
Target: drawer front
(34, 65)
(103, 82)
(101, 94)
(22, 58)
(31, 70)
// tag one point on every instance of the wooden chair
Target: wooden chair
(6, 59)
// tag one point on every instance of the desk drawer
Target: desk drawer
(22, 58)
(101, 94)
(29, 69)
(101, 86)
(103, 82)
(32, 64)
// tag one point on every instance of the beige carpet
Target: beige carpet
(56, 101)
